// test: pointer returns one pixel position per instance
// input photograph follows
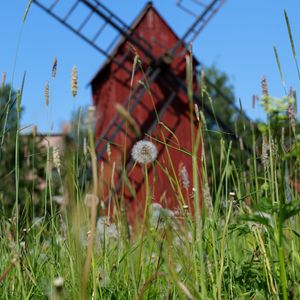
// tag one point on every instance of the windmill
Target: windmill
(161, 113)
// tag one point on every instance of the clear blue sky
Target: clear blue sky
(239, 40)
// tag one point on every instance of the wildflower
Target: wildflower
(103, 278)
(232, 194)
(37, 221)
(264, 87)
(184, 176)
(144, 152)
(208, 200)
(58, 289)
(58, 282)
(106, 230)
(74, 81)
(59, 199)
(178, 268)
(291, 112)
(162, 216)
(56, 159)
(89, 199)
(264, 153)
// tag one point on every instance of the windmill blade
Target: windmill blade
(207, 11)
(96, 22)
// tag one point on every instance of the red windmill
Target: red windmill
(154, 101)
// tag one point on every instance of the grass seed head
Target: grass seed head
(47, 93)
(3, 79)
(184, 176)
(56, 158)
(197, 113)
(264, 87)
(74, 81)
(54, 67)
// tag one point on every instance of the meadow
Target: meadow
(242, 242)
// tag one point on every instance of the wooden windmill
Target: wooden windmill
(152, 99)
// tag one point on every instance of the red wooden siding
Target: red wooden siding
(112, 85)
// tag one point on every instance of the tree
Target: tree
(31, 162)
(219, 96)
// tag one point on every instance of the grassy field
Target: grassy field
(242, 244)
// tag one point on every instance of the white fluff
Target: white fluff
(144, 152)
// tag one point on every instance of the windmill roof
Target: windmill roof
(149, 6)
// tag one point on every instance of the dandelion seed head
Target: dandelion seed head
(59, 199)
(58, 289)
(144, 152)
(178, 268)
(89, 200)
(106, 230)
(103, 278)
(162, 216)
(58, 282)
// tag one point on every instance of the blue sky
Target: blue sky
(239, 40)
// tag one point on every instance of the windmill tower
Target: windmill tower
(152, 99)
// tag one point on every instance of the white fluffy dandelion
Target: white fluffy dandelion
(89, 200)
(106, 230)
(144, 152)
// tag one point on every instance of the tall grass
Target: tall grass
(241, 243)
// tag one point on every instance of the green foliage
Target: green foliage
(32, 156)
